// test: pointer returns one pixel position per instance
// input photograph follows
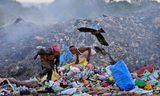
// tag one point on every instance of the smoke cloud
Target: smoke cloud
(61, 10)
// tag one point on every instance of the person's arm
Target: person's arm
(77, 58)
(89, 54)
(83, 49)
(57, 60)
(40, 52)
(35, 57)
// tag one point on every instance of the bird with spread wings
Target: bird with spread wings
(97, 33)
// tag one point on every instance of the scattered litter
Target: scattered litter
(87, 80)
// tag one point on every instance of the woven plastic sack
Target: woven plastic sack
(122, 76)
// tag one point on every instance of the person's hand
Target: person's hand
(34, 57)
(88, 60)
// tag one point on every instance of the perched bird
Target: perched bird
(97, 33)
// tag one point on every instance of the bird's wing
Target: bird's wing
(101, 50)
(101, 39)
(85, 29)
(101, 30)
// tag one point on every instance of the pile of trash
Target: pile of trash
(131, 38)
(87, 79)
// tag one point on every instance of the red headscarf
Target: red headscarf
(56, 48)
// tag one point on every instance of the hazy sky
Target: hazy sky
(35, 1)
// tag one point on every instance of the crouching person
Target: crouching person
(49, 60)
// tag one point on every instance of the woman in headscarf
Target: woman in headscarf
(49, 59)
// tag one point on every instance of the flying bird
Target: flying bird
(97, 33)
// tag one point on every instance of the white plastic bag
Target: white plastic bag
(69, 91)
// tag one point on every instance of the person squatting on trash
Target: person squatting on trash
(49, 59)
(82, 52)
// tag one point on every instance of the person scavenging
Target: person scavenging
(82, 52)
(49, 59)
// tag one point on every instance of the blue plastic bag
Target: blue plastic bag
(66, 56)
(122, 76)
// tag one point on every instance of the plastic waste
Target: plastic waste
(85, 90)
(69, 91)
(148, 87)
(24, 91)
(122, 76)
(104, 84)
(74, 69)
(145, 75)
(153, 82)
(90, 66)
(140, 83)
(66, 56)
(154, 75)
(90, 88)
(108, 71)
(110, 78)
(82, 61)
(55, 75)
(141, 91)
(142, 70)
(85, 82)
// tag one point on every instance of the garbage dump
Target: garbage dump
(129, 30)
(87, 80)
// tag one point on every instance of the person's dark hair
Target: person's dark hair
(72, 46)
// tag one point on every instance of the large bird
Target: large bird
(97, 33)
(103, 52)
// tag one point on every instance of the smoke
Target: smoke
(50, 13)
(61, 10)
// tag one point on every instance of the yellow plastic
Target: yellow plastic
(102, 88)
(148, 87)
(41, 89)
(111, 78)
(43, 78)
(55, 76)
(82, 61)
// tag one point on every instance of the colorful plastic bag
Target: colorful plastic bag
(140, 83)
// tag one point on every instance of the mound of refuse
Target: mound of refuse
(87, 80)
(134, 39)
